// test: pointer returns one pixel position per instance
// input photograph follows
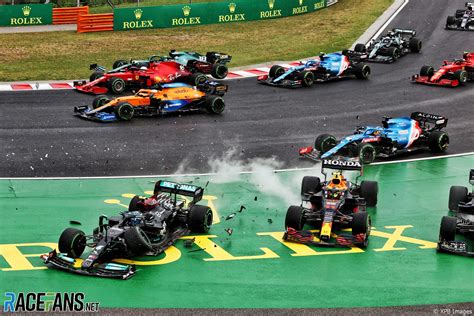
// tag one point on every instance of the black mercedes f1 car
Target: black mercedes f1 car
(333, 204)
(149, 227)
(388, 48)
(461, 203)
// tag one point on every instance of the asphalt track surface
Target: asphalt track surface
(40, 137)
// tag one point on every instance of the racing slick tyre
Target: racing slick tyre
(426, 71)
(415, 45)
(450, 20)
(366, 153)
(200, 219)
(119, 63)
(457, 194)
(133, 205)
(215, 105)
(137, 240)
(197, 78)
(438, 141)
(369, 191)
(99, 101)
(307, 78)
(116, 85)
(447, 229)
(124, 111)
(361, 225)
(325, 142)
(219, 71)
(295, 217)
(73, 242)
(362, 71)
(276, 71)
(360, 48)
(461, 76)
(95, 75)
(393, 52)
(310, 185)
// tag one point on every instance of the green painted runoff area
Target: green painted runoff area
(252, 267)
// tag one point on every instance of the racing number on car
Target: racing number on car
(202, 58)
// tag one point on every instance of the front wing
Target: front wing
(441, 82)
(265, 79)
(105, 270)
(454, 247)
(84, 112)
(306, 237)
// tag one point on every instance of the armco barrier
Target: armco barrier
(95, 22)
(68, 15)
(26, 14)
(212, 12)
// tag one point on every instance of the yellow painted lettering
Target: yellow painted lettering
(172, 254)
(17, 260)
(392, 239)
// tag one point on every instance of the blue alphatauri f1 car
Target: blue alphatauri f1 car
(396, 136)
(326, 67)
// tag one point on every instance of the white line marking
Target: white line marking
(243, 73)
(242, 172)
(382, 28)
(43, 86)
(266, 69)
(5, 87)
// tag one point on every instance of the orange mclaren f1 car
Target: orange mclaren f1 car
(173, 97)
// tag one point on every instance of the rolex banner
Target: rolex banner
(212, 12)
(26, 14)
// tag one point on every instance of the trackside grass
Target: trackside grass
(67, 55)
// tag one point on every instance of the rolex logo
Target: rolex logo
(271, 3)
(300, 2)
(232, 7)
(26, 10)
(138, 14)
(186, 10)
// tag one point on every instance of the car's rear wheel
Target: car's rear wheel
(276, 71)
(200, 218)
(133, 205)
(325, 142)
(99, 101)
(116, 85)
(307, 78)
(360, 48)
(197, 78)
(369, 190)
(95, 75)
(219, 71)
(426, 71)
(362, 71)
(137, 240)
(461, 76)
(415, 45)
(72, 242)
(438, 141)
(457, 194)
(447, 229)
(366, 153)
(310, 185)
(361, 223)
(124, 111)
(119, 63)
(215, 105)
(294, 217)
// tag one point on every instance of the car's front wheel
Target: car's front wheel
(294, 217)
(72, 242)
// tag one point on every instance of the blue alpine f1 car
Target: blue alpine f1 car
(212, 63)
(326, 67)
(396, 136)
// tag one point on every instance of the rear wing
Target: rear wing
(213, 87)
(215, 57)
(404, 31)
(340, 164)
(179, 189)
(438, 120)
(354, 56)
(469, 4)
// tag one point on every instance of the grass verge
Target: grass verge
(67, 55)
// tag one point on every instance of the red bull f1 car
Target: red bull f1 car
(136, 75)
(451, 74)
(463, 20)
(326, 67)
(330, 205)
(461, 204)
(149, 227)
(395, 136)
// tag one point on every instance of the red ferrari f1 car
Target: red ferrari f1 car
(451, 74)
(138, 75)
